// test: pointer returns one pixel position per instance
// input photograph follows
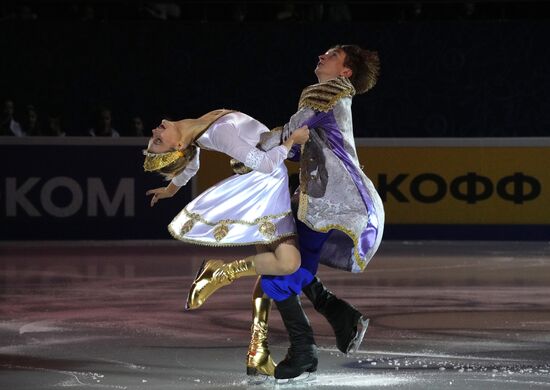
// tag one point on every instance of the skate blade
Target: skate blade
(201, 268)
(358, 339)
(307, 378)
(259, 379)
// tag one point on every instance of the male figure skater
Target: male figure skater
(340, 216)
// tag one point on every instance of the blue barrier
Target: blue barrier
(80, 188)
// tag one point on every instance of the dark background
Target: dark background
(449, 69)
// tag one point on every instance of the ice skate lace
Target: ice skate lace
(229, 272)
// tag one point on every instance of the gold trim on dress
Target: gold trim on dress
(267, 229)
(187, 226)
(221, 228)
(257, 221)
(220, 231)
(228, 244)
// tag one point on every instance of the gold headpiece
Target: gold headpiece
(155, 161)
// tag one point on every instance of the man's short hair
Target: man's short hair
(364, 64)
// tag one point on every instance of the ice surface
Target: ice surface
(443, 315)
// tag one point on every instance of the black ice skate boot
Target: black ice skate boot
(348, 323)
(302, 355)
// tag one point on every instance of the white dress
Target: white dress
(253, 208)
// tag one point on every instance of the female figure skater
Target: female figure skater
(249, 209)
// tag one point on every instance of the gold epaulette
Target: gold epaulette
(323, 96)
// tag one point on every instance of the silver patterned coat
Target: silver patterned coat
(334, 193)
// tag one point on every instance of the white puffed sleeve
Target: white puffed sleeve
(225, 138)
(190, 170)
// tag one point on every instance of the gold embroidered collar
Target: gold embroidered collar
(323, 96)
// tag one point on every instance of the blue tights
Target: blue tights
(282, 287)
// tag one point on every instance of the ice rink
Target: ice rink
(100, 315)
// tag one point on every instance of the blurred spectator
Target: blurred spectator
(103, 126)
(239, 12)
(30, 123)
(136, 128)
(418, 11)
(287, 12)
(17, 12)
(469, 10)
(26, 13)
(314, 12)
(8, 124)
(87, 13)
(162, 11)
(54, 127)
(338, 12)
(83, 12)
(331, 11)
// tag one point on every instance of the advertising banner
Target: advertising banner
(93, 189)
(81, 189)
(462, 185)
(462, 188)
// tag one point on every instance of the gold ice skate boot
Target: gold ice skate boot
(214, 274)
(258, 359)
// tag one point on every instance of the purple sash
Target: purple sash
(327, 122)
